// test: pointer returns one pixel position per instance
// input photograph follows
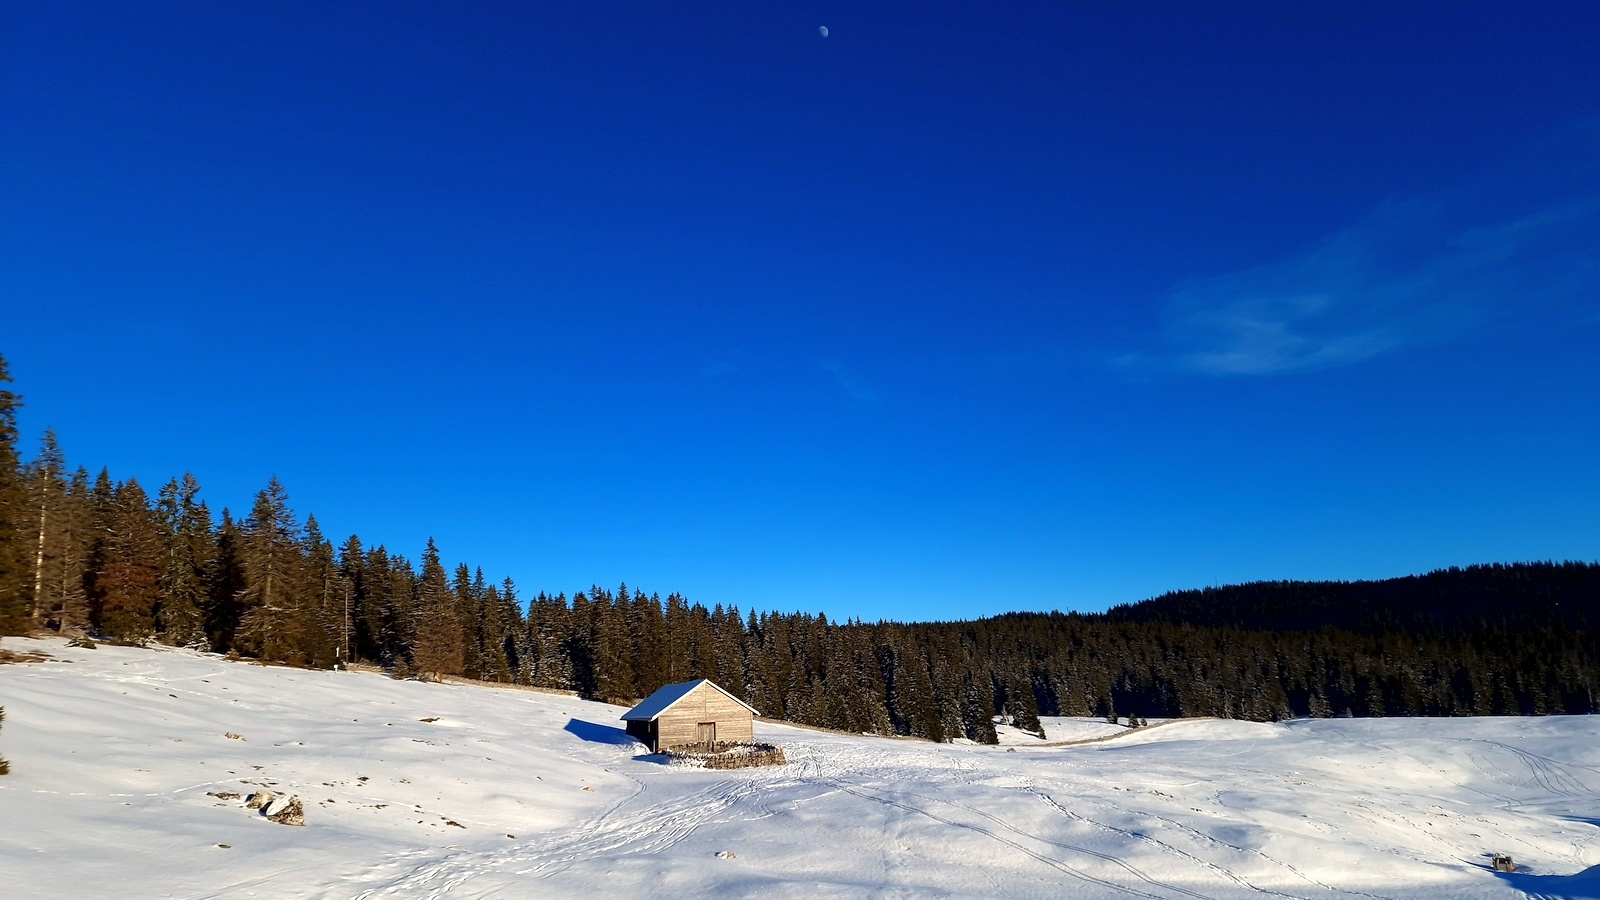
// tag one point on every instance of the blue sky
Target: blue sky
(953, 311)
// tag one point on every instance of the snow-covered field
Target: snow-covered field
(513, 794)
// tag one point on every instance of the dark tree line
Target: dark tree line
(1455, 600)
(82, 554)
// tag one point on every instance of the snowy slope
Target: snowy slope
(1060, 729)
(114, 752)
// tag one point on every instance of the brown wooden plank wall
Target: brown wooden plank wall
(680, 725)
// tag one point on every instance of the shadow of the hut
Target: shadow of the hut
(1583, 885)
(599, 734)
(610, 734)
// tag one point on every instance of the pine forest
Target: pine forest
(88, 554)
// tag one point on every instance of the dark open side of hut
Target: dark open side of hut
(691, 714)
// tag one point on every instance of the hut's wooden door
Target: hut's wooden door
(708, 733)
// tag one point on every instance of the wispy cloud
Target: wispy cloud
(1414, 271)
(849, 383)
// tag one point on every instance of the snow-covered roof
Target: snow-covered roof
(663, 699)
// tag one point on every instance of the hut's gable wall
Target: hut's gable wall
(680, 724)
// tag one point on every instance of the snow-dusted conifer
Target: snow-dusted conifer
(438, 650)
(187, 555)
(130, 570)
(273, 596)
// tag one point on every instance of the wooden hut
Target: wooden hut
(691, 714)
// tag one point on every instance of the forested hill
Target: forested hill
(84, 554)
(1515, 597)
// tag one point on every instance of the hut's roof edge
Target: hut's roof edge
(654, 705)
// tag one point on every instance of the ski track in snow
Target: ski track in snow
(650, 830)
(1197, 861)
(415, 791)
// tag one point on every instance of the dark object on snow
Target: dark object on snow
(1503, 863)
(739, 755)
(692, 714)
(260, 800)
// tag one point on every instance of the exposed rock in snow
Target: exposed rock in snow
(288, 811)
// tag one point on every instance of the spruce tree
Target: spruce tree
(322, 610)
(469, 612)
(226, 586)
(1019, 704)
(438, 647)
(550, 643)
(512, 630)
(612, 646)
(353, 577)
(1318, 706)
(578, 644)
(188, 554)
(66, 588)
(102, 508)
(398, 601)
(977, 710)
(759, 675)
(494, 663)
(15, 561)
(130, 574)
(46, 490)
(273, 598)
(728, 650)
(702, 643)
(381, 610)
(376, 623)
(648, 630)
(870, 671)
(675, 647)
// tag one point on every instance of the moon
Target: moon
(823, 31)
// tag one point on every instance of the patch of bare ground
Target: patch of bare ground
(26, 656)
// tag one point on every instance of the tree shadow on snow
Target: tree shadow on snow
(1583, 885)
